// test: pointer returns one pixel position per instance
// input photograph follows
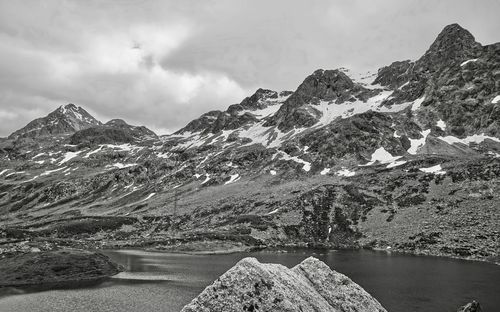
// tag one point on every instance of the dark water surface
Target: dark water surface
(166, 282)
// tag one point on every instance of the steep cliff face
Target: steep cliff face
(309, 286)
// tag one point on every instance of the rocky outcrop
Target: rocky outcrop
(309, 286)
(470, 307)
(113, 132)
(55, 268)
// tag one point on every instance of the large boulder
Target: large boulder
(470, 307)
(309, 286)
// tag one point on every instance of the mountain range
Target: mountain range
(406, 158)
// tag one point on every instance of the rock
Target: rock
(309, 286)
(55, 268)
(473, 306)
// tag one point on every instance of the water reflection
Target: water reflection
(166, 282)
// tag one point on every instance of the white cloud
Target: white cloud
(163, 63)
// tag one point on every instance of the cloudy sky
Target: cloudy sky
(163, 63)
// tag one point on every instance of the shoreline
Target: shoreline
(84, 281)
(210, 247)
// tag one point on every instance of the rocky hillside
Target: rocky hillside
(406, 158)
(309, 286)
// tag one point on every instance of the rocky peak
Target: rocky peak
(393, 75)
(321, 85)
(66, 119)
(116, 122)
(454, 43)
(67, 107)
(257, 100)
(326, 84)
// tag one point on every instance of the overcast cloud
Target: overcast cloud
(163, 63)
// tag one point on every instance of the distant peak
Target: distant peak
(254, 101)
(264, 91)
(452, 38)
(66, 107)
(334, 76)
(455, 31)
(117, 122)
(454, 28)
(454, 43)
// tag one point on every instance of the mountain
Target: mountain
(405, 158)
(66, 119)
(250, 111)
(113, 132)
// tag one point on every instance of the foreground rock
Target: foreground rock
(470, 307)
(55, 269)
(309, 286)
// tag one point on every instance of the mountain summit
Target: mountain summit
(453, 43)
(66, 119)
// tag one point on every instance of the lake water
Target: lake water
(166, 282)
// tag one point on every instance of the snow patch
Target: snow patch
(273, 212)
(93, 152)
(496, 99)
(396, 163)
(325, 171)
(68, 156)
(434, 169)
(418, 143)
(207, 178)
(121, 166)
(163, 155)
(234, 178)
(307, 165)
(441, 124)
(262, 113)
(468, 61)
(417, 103)
(4, 171)
(476, 138)
(382, 156)
(123, 147)
(331, 111)
(31, 179)
(149, 196)
(51, 171)
(345, 173)
(38, 155)
(272, 172)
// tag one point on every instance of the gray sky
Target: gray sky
(163, 63)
